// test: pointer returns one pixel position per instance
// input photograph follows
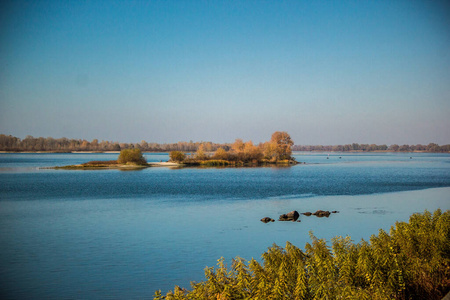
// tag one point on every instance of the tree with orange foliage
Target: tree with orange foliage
(221, 154)
(252, 153)
(200, 154)
(238, 146)
(279, 147)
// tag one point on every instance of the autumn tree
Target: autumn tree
(221, 154)
(200, 154)
(238, 146)
(279, 147)
(252, 153)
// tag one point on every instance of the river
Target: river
(114, 234)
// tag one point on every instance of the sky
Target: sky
(326, 72)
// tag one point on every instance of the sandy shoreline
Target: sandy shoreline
(163, 164)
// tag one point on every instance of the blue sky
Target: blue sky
(327, 72)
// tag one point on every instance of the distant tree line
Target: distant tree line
(432, 147)
(30, 143)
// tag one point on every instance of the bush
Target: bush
(215, 162)
(221, 154)
(131, 156)
(412, 262)
(177, 156)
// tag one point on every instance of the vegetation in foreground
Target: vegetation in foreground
(277, 150)
(411, 262)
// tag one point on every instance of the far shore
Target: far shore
(62, 152)
(116, 152)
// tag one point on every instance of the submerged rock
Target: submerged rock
(290, 216)
(307, 213)
(267, 220)
(334, 212)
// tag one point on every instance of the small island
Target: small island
(129, 159)
(277, 151)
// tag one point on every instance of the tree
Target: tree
(432, 147)
(221, 154)
(238, 146)
(177, 156)
(201, 155)
(281, 146)
(252, 153)
(394, 147)
(404, 148)
(131, 156)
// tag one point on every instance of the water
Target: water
(114, 234)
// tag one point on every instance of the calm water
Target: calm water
(123, 234)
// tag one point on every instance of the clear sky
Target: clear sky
(327, 72)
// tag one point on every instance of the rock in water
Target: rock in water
(321, 213)
(290, 216)
(267, 220)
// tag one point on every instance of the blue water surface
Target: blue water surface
(124, 234)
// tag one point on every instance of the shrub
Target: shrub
(412, 262)
(221, 154)
(215, 162)
(177, 156)
(131, 156)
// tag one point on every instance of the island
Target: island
(277, 151)
(129, 159)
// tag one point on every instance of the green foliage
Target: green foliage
(177, 156)
(215, 162)
(411, 262)
(131, 156)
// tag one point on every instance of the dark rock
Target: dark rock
(293, 214)
(322, 213)
(283, 218)
(307, 213)
(267, 220)
(290, 216)
(334, 212)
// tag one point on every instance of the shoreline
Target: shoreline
(113, 166)
(116, 152)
